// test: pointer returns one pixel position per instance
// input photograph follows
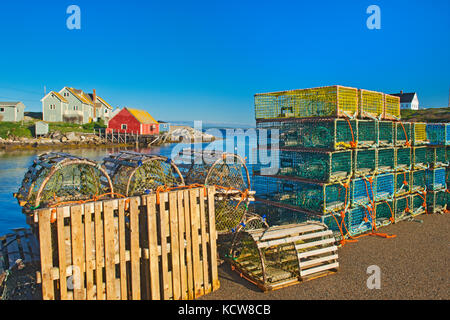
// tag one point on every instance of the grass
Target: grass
(427, 115)
(16, 129)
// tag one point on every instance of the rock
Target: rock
(72, 137)
(63, 139)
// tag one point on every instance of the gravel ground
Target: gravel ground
(414, 265)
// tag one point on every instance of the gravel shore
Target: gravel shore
(414, 265)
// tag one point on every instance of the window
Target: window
(2, 109)
(75, 107)
(52, 107)
(124, 127)
(106, 110)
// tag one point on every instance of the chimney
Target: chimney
(94, 99)
(401, 92)
(94, 96)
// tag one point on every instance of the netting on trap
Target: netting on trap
(435, 179)
(385, 160)
(402, 133)
(418, 203)
(332, 101)
(419, 133)
(402, 183)
(437, 201)
(384, 212)
(438, 133)
(436, 156)
(391, 107)
(403, 159)
(229, 215)
(371, 104)
(310, 197)
(367, 133)
(364, 162)
(135, 174)
(362, 191)
(54, 178)
(402, 208)
(384, 186)
(418, 180)
(360, 220)
(385, 133)
(419, 160)
(315, 165)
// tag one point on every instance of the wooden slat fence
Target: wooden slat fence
(149, 247)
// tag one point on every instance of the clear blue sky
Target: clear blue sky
(204, 60)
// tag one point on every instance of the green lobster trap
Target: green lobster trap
(391, 107)
(367, 133)
(316, 165)
(56, 177)
(437, 201)
(332, 101)
(364, 162)
(385, 131)
(370, 103)
(418, 203)
(402, 182)
(419, 157)
(436, 156)
(403, 159)
(385, 160)
(402, 133)
(279, 256)
(418, 180)
(402, 208)
(419, 133)
(384, 213)
(317, 198)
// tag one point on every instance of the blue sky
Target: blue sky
(204, 60)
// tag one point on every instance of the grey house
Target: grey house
(11, 111)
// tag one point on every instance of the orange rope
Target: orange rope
(353, 143)
(407, 143)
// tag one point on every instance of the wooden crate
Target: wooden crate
(157, 246)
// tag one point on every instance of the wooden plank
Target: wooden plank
(77, 252)
(314, 243)
(61, 253)
(174, 246)
(164, 257)
(273, 233)
(195, 217)
(89, 251)
(206, 284)
(182, 246)
(189, 265)
(310, 263)
(122, 249)
(153, 247)
(319, 269)
(316, 252)
(135, 249)
(110, 267)
(294, 239)
(212, 239)
(99, 252)
(48, 291)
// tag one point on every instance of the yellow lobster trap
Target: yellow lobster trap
(391, 107)
(419, 133)
(370, 103)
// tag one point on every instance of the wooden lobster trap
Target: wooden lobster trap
(279, 256)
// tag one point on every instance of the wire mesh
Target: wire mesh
(437, 201)
(364, 162)
(367, 133)
(403, 159)
(371, 103)
(384, 211)
(360, 220)
(384, 186)
(362, 191)
(419, 133)
(418, 180)
(402, 208)
(435, 179)
(229, 214)
(402, 181)
(316, 166)
(402, 133)
(391, 107)
(304, 103)
(385, 132)
(436, 156)
(418, 204)
(281, 262)
(419, 157)
(385, 160)
(438, 133)
(245, 254)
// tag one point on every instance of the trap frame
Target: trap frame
(371, 104)
(438, 133)
(385, 131)
(391, 107)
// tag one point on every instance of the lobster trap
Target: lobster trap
(402, 183)
(436, 156)
(367, 133)
(364, 162)
(280, 256)
(360, 220)
(384, 213)
(437, 201)
(403, 159)
(419, 157)
(315, 165)
(332, 101)
(370, 103)
(134, 174)
(402, 208)
(384, 186)
(418, 180)
(337, 222)
(438, 133)
(391, 107)
(385, 160)
(418, 203)
(435, 179)
(362, 191)
(402, 133)
(419, 133)
(311, 197)
(54, 178)
(385, 131)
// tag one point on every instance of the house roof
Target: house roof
(91, 96)
(80, 95)
(9, 104)
(405, 97)
(57, 95)
(142, 116)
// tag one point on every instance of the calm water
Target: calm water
(14, 164)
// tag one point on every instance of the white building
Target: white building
(408, 100)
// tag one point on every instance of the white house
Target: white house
(408, 100)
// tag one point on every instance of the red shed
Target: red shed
(133, 121)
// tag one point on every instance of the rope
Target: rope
(353, 143)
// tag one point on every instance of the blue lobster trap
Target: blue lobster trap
(435, 179)
(438, 133)
(360, 220)
(384, 185)
(362, 191)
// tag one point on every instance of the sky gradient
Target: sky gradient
(204, 60)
